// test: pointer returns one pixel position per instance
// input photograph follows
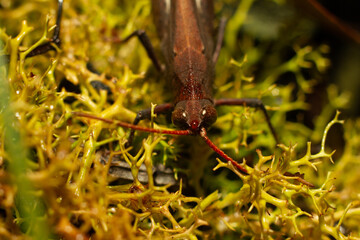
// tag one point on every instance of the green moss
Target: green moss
(290, 191)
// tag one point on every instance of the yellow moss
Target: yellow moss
(289, 191)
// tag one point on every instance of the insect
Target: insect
(190, 53)
(186, 32)
(52, 44)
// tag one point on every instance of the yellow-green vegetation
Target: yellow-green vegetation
(54, 182)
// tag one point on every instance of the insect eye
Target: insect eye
(208, 115)
(179, 118)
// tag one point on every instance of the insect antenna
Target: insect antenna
(220, 152)
(165, 131)
(132, 126)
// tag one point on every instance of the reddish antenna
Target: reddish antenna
(135, 127)
(220, 152)
(165, 131)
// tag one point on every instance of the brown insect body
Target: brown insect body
(185, 28)
(186, 32)
(188, 47)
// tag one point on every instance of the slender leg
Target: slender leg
(145, 41)
(146, 114)
(251, 102)
(160, 109)
(220, 38)
(54, 40)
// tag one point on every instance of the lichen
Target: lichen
(297, 189)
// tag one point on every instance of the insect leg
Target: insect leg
(54, 40)
(146, 114)
(46, 46)
(251, 102)
(219, 41)
(145, 41)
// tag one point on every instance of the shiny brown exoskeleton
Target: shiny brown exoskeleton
(185, 28)
(188, 50)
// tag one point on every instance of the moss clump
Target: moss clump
(299, 189)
